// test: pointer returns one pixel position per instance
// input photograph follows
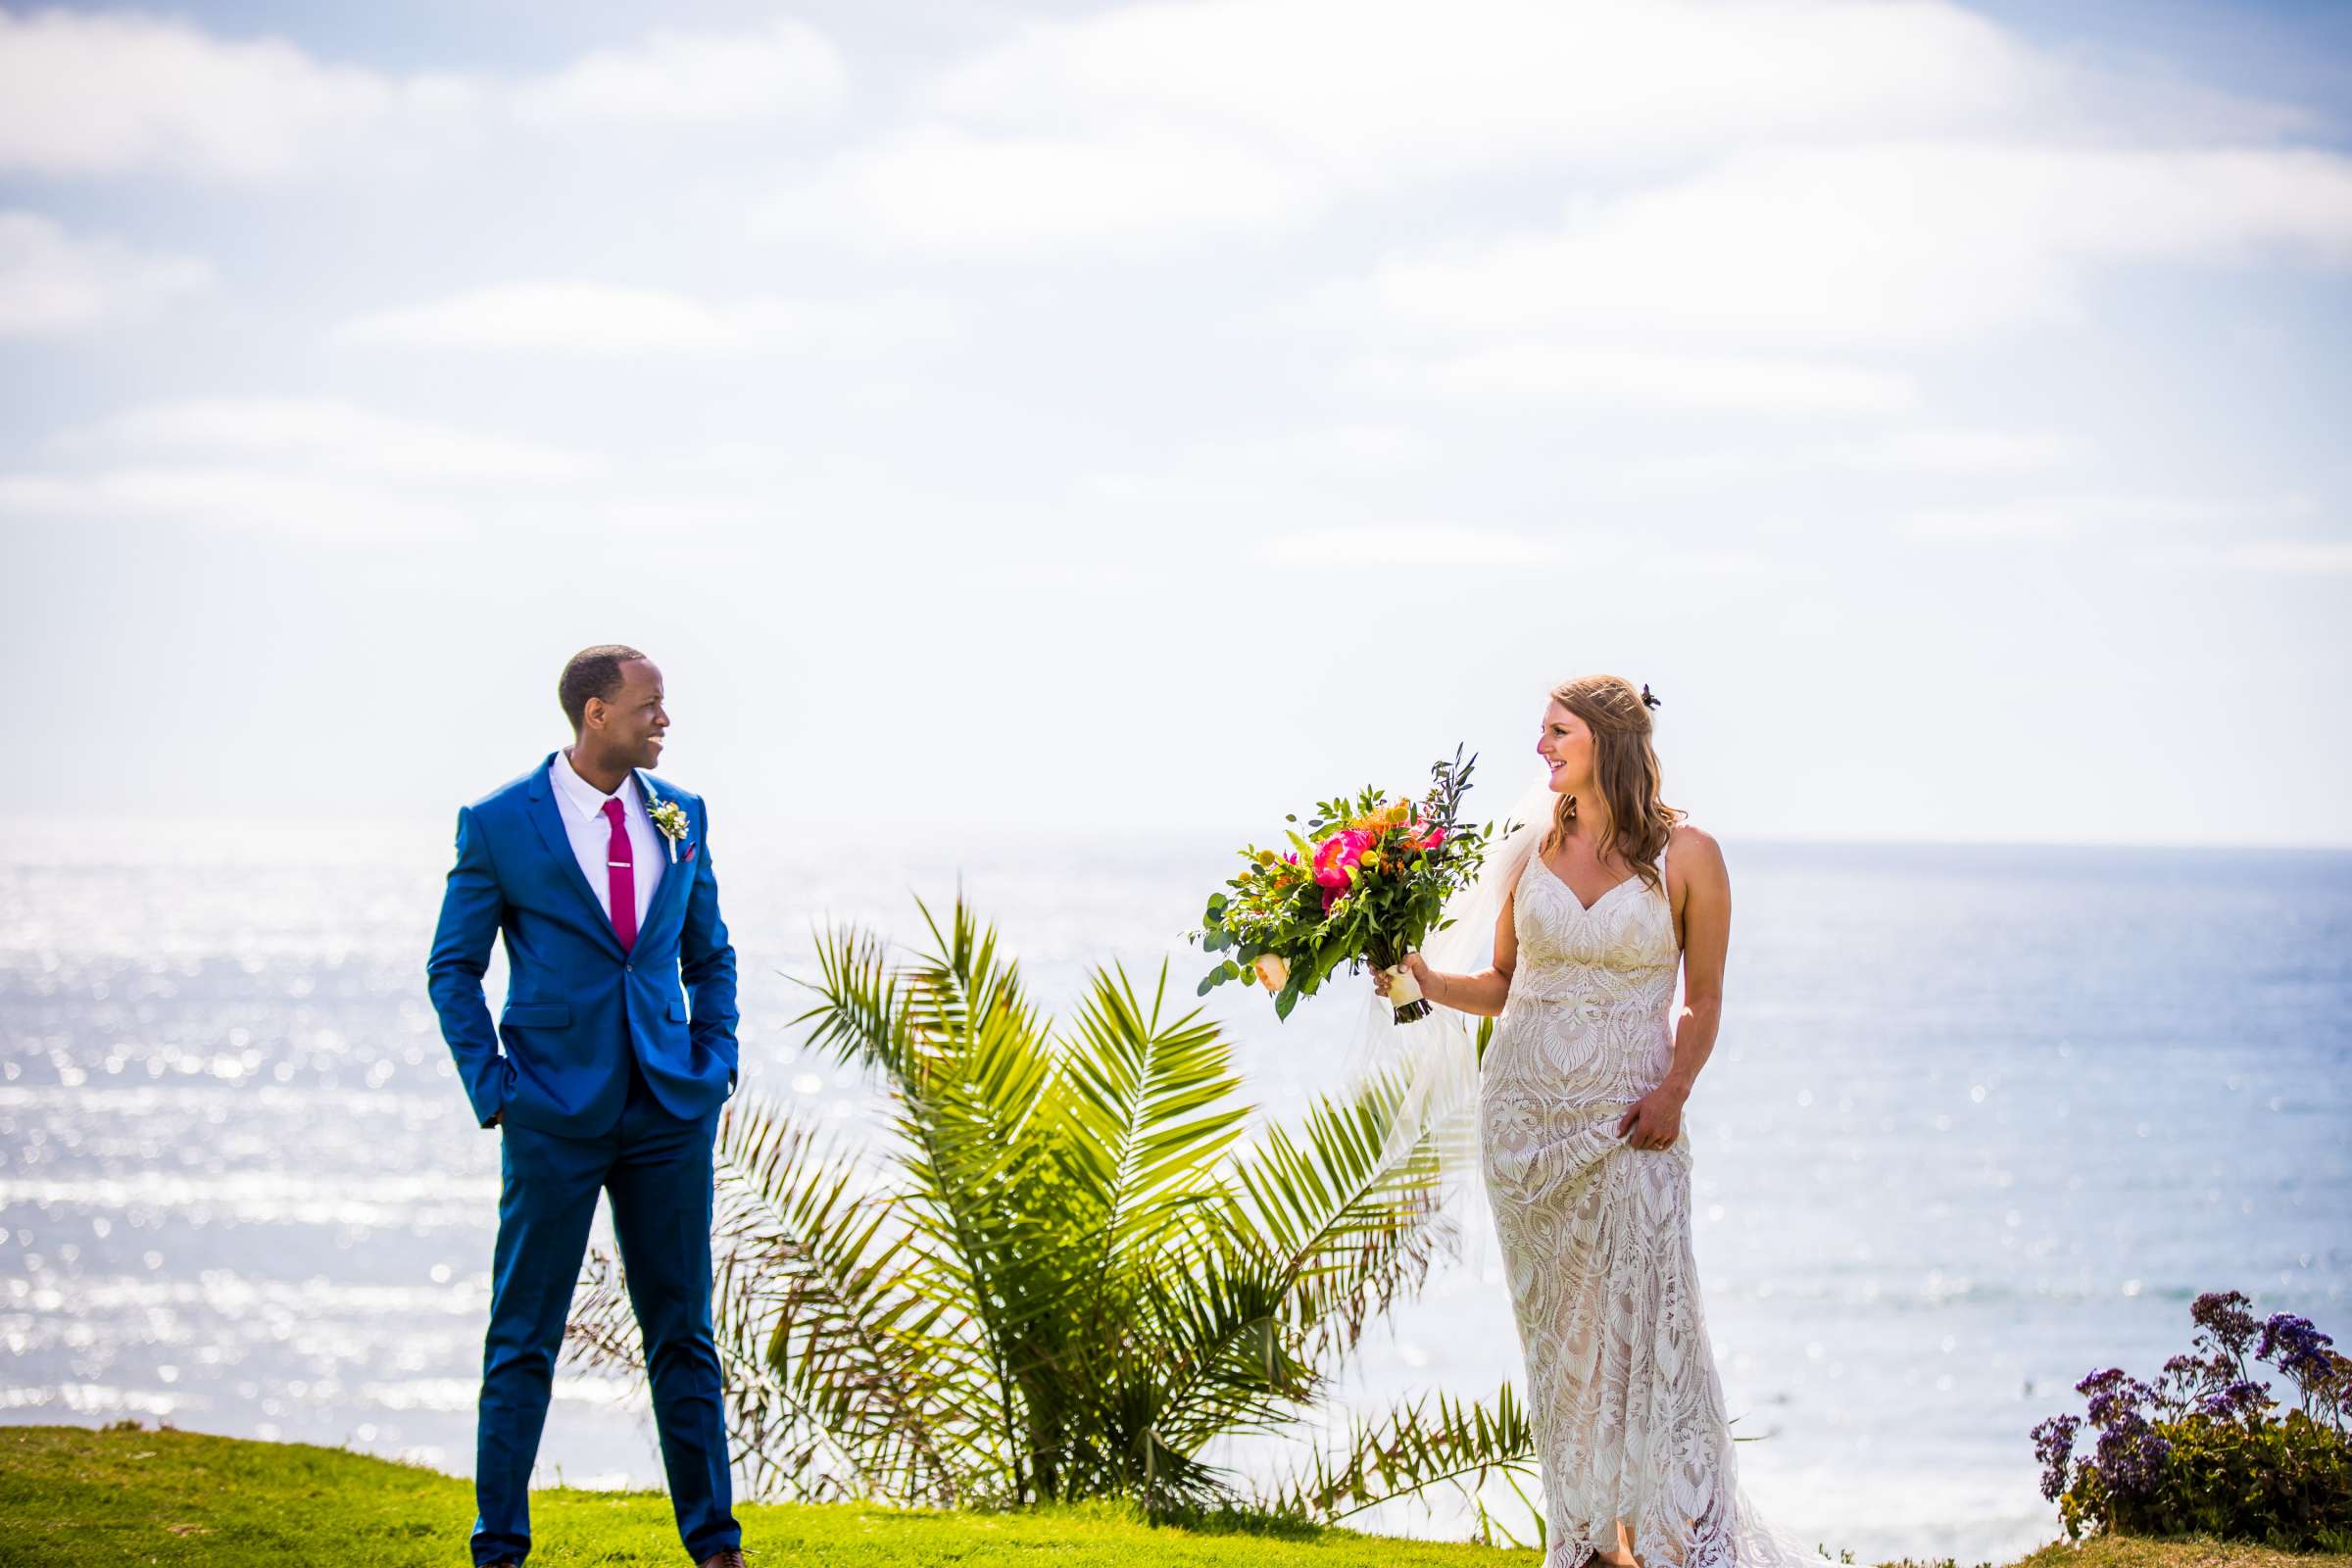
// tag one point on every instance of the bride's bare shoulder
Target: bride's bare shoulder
(1690, 848)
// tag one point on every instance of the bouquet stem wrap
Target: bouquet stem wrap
(1405, 992)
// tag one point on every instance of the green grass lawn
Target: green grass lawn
(74, 1495)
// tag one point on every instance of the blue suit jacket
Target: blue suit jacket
(576, 1005)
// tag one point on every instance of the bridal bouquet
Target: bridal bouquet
(1367, 880)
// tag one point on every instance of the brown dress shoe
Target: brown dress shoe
(724, 1558)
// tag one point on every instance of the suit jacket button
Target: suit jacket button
(630, 967)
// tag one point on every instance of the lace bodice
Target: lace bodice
(1603, 979)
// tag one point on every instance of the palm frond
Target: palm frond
(972, 1072)
(1423, 1442)
(1223, 1337)
(1353, 1224)
(962, 979)
(855, 1325)
(1151, 1108)
(860, 1015)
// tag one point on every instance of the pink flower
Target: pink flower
(1336, 853)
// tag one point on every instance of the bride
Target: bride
(1580, 1128)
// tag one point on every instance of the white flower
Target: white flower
(669, 816)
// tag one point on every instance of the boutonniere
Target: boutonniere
(670, 817)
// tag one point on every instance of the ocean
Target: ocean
(1979, 1121)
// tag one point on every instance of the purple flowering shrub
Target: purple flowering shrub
(2200, 1452)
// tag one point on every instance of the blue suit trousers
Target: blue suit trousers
(658, 1168)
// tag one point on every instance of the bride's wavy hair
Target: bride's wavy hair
(1624, 765)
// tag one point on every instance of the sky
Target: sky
(1153, 417)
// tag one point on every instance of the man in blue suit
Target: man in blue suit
(599, 875)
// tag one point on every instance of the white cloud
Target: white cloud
(1425, 547)
(2290, 555)
(949, 190)
(331, 472)
(1371, 89)
(328, 436)
(347, 505)
(1353, 447)
(1540, 375)
(84, 94)
(312, 468)
(1951, 450)
(1451, 548)
(1897, 244)
(245, 498)
(1715, 563)
(789, 70)
(1154, 122)
(100, 94)
(602, 319)
(1184, 479)
(2283, 556)
(331, 505)
(52, 283)
(1931, 450)
(2054, 516)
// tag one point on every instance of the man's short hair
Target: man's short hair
(591, 672)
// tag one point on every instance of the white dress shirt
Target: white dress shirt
(583, 810)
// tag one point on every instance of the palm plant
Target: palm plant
(1071, 1271)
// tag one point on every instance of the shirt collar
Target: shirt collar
(585, 799)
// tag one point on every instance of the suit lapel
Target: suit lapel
(547, 816)
(674, 875)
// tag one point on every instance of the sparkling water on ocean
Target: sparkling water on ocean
(1979, 1120)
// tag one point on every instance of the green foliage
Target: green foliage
(1068, 1272)
(1423, 1442)
(2286, 1483)
(2199, 1450)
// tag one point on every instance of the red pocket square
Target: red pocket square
(690, 849)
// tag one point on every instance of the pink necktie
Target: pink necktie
(621, 879)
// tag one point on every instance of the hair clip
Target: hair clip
(1649, 701)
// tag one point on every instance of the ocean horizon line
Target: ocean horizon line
(739, 824)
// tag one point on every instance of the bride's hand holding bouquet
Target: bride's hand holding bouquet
(1414, 971)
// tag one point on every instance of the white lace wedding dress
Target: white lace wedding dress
(1595, 1237)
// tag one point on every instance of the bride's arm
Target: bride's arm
(1706, 940)
(1481, 995)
